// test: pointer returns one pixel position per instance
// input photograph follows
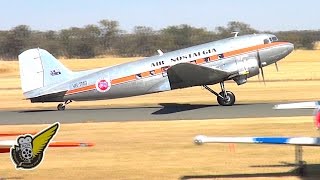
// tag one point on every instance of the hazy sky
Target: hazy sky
(271, 15)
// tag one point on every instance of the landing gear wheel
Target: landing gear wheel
(61, 107)
(227, 99)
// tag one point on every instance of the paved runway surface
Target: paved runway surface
(149, 113)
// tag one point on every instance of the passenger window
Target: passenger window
(164, 70)
(153, 72)
(274, 38)
(193, 62)
(138, 76)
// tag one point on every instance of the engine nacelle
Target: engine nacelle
(247, 67)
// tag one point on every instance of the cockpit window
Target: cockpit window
(274, 38)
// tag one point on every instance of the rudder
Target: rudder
(38, 68)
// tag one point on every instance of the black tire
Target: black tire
(227, 101)
(61, 107)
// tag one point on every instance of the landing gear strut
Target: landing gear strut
(62, 106)
(224, 98)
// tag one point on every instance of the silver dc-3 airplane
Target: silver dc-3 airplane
(45, 79)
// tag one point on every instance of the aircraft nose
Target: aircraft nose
(290, 47)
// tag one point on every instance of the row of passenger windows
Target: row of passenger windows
(164, 69)
(153, 72)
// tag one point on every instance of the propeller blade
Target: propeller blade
(261, 68)
(262, 74)
(276, 66)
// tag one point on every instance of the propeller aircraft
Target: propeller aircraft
(45, 79)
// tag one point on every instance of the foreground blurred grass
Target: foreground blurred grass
(165, 150)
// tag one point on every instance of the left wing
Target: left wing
(184, 75)
(302, 141)
(304, 105)
(300, 105)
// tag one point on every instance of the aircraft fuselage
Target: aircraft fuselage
(237, 55)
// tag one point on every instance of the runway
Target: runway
(159, 112)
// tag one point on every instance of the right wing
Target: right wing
(300, 105)
(302, 141)
(304, 105)
(184, 75)
(5, 145)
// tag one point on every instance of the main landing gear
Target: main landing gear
(224, 98)
(62, 106)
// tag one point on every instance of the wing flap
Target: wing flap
(184, 75)
(303, 141)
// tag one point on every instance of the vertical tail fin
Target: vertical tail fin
(38, 68)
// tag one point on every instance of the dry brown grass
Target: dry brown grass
(164, 150)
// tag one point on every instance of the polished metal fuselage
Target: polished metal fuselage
(229, 55)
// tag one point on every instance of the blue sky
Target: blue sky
(271, 15)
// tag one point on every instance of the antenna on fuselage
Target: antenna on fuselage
(160, 52)
(235, 33)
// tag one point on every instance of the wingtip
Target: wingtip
(199, 139)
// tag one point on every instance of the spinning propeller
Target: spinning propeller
(276, 66)
(260, 67)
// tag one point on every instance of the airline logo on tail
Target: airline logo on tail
(55, 72)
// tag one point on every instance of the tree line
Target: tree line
(106, 38)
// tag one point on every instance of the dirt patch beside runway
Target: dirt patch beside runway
(164, 150)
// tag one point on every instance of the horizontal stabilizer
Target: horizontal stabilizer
(300, 105)
(302, 141)
(184, 75)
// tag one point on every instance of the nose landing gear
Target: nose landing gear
(224, 98)
(62, 106)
